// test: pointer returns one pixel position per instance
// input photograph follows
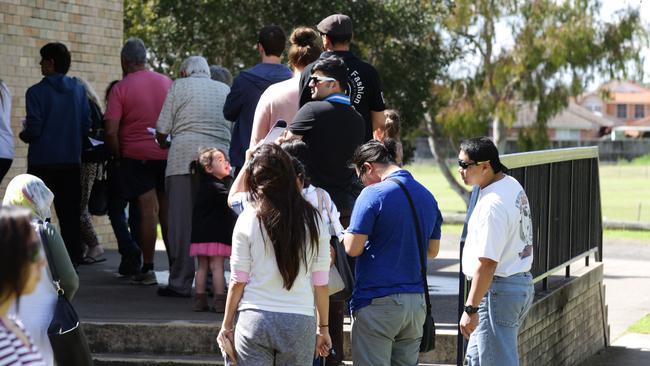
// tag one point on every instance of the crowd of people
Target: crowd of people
(193, 156)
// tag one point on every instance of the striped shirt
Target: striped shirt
(13, 351)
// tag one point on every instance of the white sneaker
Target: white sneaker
(147, 278)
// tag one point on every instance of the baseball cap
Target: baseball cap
(336, 25)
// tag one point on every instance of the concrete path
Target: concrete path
(627, 294)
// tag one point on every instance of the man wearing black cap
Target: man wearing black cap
(364, 85)
(497, 257)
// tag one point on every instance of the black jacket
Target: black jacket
(212, 219)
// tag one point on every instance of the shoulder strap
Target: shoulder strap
(322, 201)
(418, 233)
(50, 258)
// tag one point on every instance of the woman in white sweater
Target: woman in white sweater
(279, 269)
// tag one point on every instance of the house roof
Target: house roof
(573, 117)
(623, 92)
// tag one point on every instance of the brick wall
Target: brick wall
(92, 31)
(567, 325)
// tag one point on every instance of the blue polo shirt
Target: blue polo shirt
(390, 263)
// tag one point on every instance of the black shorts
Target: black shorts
(141, 176)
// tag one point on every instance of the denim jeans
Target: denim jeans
(501, 313)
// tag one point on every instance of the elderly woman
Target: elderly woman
(193, 116)
(37, 308)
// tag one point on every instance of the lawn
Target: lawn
(641, 326)
(625, 190)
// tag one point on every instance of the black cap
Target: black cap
(336, 25)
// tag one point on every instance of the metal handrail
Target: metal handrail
(548, 156)
(559, 267)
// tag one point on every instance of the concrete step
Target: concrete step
(102, 359)
(122, 343)
(172, 338)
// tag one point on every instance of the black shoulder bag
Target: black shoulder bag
(428, 342)
(68, 340)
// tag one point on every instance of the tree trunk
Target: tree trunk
(435, 143)
(499, 134)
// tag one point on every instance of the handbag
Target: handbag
(341, 281)
(67, 338)
(98, 199)
(428, 342)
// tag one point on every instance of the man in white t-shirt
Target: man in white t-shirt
(497, 257)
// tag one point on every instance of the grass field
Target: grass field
(625, 190)
(641, 326)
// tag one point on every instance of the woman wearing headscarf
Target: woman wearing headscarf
(36, 309)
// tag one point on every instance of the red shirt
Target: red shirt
(136, 102)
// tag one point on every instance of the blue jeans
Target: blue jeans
(501, 313)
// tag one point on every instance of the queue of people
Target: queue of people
(192, 156)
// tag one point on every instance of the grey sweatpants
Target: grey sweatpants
(269, 338)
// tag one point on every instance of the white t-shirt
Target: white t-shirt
(500, 229)
(252, 253)
(6, 135)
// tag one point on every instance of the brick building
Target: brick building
(92, 31)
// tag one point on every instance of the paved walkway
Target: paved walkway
(627, 280)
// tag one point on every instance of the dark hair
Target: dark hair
(300, 171)
(18, 244)
(392, 125)
(220, 73)
(339, 39)
(58, 53)
(204, 158)
(333, 67)
(285, 214)
(298, 149)
(483, 149)
(373, 151)
(305, 47)
(273, 40)
(108, 90)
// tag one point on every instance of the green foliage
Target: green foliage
(398, 37)
(559, 46)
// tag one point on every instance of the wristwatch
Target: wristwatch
(469, 309)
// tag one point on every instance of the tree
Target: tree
(559, 46)
(400, 38)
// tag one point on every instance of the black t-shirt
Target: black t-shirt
(364, 87)
(332, 131)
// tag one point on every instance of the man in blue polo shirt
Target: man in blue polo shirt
(388, 304)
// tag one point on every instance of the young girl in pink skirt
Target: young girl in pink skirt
(212, 225)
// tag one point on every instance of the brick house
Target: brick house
(621, 101)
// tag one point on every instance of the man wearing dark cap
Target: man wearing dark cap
(249, 86)
(497, 257)
(363, 84)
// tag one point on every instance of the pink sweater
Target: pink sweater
(279, 101)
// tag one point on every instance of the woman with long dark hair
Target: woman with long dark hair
(20, 270)
(279, 268)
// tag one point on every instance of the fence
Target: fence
(564, 193)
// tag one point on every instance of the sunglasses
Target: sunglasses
(464, 164)
(318, 79)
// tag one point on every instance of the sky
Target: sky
(607, 13)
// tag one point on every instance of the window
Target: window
(639, 111)
(621, 111)
(595, 108)
(566, 134)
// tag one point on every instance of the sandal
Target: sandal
(91, 260)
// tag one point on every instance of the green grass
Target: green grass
(641, 326)
(643, 236)
(625, 190)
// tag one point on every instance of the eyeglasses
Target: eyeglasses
(464, 164)
(317, 79)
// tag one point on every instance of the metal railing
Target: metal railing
(563, 188)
